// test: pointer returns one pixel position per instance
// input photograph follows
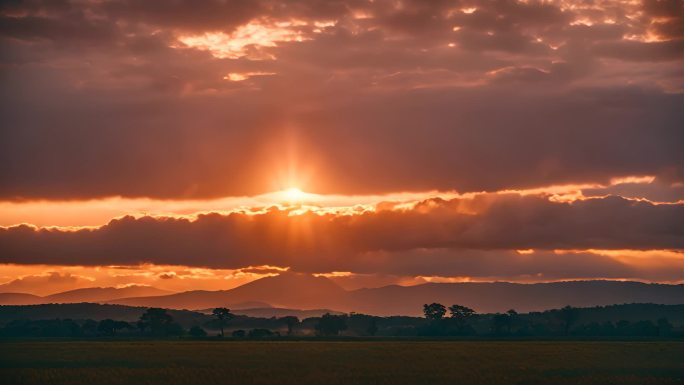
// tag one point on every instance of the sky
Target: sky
(189, 145)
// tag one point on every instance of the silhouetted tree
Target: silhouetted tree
(500, 322)
(142, 326)
(239, 334)
(461, 312)
(290, 322)
(42, 328)
(434, 311)
(223, 315)
(109, 327)
(664, 327)
(331, 325)
(568, 316)
(622, 327)
(372, 326)
(503, 321)
(512, 315)
(89, 327)
(158, 321)
(106, 327)
(197, 331)
(645, 328)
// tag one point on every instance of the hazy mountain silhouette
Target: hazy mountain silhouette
(20, 299)
(90, 294)
(102, 294)
(500, 296)
(300, 291)
(289, 290)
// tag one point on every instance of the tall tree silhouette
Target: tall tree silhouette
(372, 326)
(664, 327)
(512, 315)
(461, 314)
(290, 321)
(157, 320)
(223, 315)
(331, 325)
(197, 331)
(568, 316)
(499, 322)
(434, 311)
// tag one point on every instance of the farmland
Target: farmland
(340, 362)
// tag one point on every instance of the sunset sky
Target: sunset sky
(374, 142)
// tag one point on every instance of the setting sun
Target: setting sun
(294, 194)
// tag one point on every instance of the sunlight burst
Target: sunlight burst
(294, 194)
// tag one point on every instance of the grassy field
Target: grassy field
(372, 362)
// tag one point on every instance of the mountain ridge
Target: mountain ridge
(87, 294)
(306, 292)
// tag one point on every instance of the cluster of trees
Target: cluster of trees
(154, 322)
(438, 320)
(326, 325)
(222, 318)
(456, 324)
(559, 322)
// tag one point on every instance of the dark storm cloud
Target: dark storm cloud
(405, 242)
(102, 98)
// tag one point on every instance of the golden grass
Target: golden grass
(367, 362)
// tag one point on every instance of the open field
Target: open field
(367, 362)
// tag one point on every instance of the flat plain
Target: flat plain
(340, 362)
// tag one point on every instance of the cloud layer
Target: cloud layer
(459, 237)
(243, 97)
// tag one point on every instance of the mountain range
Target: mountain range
(90, 294)
(299, 291)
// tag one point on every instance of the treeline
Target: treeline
(438, 321)
(154, 322)
(463, 321)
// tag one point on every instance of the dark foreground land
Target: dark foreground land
(344, 362)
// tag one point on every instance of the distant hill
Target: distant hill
(19, 299)
(295, 291)
(288, 290)
(103, 294)
(500, 296)
(90, 294)
(82, 311)
(301, 292)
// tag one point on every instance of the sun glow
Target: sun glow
(294, 195)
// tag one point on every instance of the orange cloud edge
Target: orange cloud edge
(92, 213)
(80, 214)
